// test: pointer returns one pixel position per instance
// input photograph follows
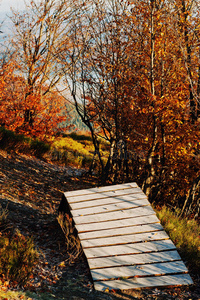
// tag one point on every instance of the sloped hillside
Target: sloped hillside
(31, 190)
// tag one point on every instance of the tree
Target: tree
(48, 110)
(128, 76)
(36, 42)
(99, 79)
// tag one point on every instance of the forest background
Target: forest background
(131, 69)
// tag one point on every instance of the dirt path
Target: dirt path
(31, 189)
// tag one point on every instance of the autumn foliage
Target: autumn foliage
(133, 71)
(33, 115)
(138, 74)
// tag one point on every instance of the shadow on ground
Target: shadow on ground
(31, 190)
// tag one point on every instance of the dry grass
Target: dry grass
(18, 256)
(73, 243)
(184, 233)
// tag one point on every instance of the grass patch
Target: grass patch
(79, 137)
(70, 149)
(71, 152)
(18, 256)
(185, 234)
(12, 295)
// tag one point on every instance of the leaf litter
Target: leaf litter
(31, 189)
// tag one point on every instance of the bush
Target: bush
(39, 147)
(79, 137)
(10, 140)
(3, 216)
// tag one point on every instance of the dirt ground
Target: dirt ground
(31, 190)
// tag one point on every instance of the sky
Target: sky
(6, 4)
(5, 23)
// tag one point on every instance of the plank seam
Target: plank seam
(125, 218)
(95, 190)
(131, 243)
(126, 226)
(140, 276)
(99, 205)
(103, 197)
(138, 264)
(132, 253)
(121, 234)
(109, 211)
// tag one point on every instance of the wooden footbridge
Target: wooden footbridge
(125, 245)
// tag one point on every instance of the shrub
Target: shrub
(39, 147)
(80, 137)
(10, 140)
(71, 152)
(17, 258)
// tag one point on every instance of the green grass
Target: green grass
(184, 233)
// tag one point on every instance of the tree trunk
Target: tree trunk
(151, 154)
(192, 202)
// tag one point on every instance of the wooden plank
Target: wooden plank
(135, 248)
(139, 270)
(109, 200)
(133, 259)
(118, 215)
(110, 207)
(117, 223)
(134, 283)
(125, 239)
(120, 231)
(101, 189)
(102, 195)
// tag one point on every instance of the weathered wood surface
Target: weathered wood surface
(142, 282)
(118, 223)
(115, 250)
(114, 215)
(110, 207)
(123, 240)
(136, 270)
(106, 201)
(133, 259)
(120, 231)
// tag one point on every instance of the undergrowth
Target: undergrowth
(10, 141)
(18, 255)
(73, 243)
(71, 149)
(185, 234)
(72, 152)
